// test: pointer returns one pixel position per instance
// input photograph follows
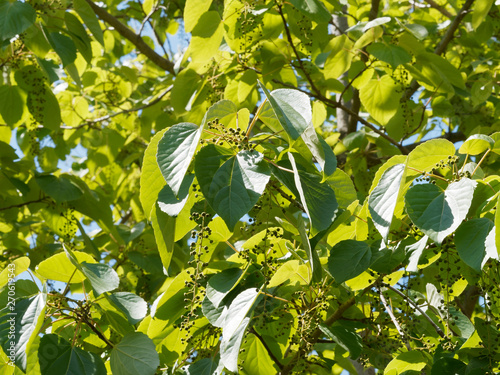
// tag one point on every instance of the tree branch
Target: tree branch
(440, 8)
(22, 204)
(135, 39)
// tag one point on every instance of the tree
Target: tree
(310, 186)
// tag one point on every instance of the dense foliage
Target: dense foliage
(285, 195)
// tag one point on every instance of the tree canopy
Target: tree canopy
(249, 186)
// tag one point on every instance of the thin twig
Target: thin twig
(440, 8)
(268, 349)
(23, 204)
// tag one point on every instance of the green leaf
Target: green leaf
(480, 10)
(376, 22)
(215, 315)
(348, 259)
(487, 332)
(246, 84)
(322, 152)
(134, 355)
(380, 97)
(27, 321)
(470, 240)
(389, 53)
(193, 10)
(408, 361)
(346, 338)
(314, 9)
(225, 111)
(64, 47)
(12, 103)
(339, 59)
(57, 356)
(312, 255)
(438, 213)
(151, 178)
(185, 86)
(234, 187)
(426, 156)
(292, 108)
(204, 366)
(102, 277)
(61, 188)
(167, 200)
(15, 18)
(497, 225)
(44, 107)
(448, 366)
(175, 152)
(19, 266)
(342, 185)
(89, 18)
(237, 319)
(476, 144)
(255, 358)
(59, 268)
(206, 38)
(133, 306)
(383, 199)
(79, 35)
(221, 284)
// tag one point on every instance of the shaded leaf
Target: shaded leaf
(57, 356)
(135, 355)
(470, 239)
(348, 259)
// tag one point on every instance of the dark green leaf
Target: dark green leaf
(12, 104)
(57, 356)
(438, 213)
(15, 17)
(348, 259)
(346, 338)
(234, 187)
(89, 18)
(470, 239)
(64, 47)
(135, 355)
(79, 35)
(448, 366)
(221, 284)
(60, 188)
(389, 53)
(314, 9)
